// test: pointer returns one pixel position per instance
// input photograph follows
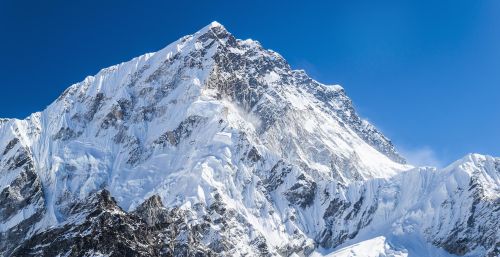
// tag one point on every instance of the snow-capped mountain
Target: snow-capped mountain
(214, 146)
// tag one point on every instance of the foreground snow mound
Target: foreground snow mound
(387, 246)
(215, 146)
(376, 247)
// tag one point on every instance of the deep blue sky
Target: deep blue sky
(427, 73)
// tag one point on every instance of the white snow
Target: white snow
(375, 247)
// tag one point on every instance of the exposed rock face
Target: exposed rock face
(97, 226)
(214, 146)
(21, 197)
(94, 227)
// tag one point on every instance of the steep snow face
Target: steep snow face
(453, 209)
(257, 158)
(182, 115)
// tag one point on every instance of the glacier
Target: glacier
(215, 146)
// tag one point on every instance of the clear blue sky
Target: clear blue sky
(427, 73)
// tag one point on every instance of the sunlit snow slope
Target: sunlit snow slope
(214, 146)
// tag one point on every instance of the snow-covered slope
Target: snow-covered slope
(376, 247)
(455, 209)
(215, 146)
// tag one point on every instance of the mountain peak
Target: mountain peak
(214, 24)
(215, 28)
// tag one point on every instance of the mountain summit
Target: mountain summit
(214, 146)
